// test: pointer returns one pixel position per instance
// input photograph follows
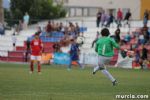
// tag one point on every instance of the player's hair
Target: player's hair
(37, 34)
(105, 32)
(72, 40)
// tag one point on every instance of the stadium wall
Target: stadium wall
(90, 7)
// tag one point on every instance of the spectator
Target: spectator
(56, 47)
(141, 39)
(137, 56)
(127, 37)
(146, 35)
(110, 19)
(49, 28)
(56, 28)
(61, 27)
(119, 17)
(103, 18)
(98, 18)
(14, 39)
(146, 17)
(26, 19)
(19, 27)
(2, 29)
(39, 30)
(28, 51)
(143, 56)
(117, 35)
(127, 17)
(77, 29)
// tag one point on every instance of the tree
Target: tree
(37, 9)
(1, 12)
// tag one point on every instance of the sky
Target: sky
(6, 3)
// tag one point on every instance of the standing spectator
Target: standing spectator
(119, 17)
(103, 18)
(20, 26)
(146, 17)
(98, 18)
(28, 50)
(143, 56)
(137, 56)
(146, 35)
(39, 30)
(77, 29)
(117, 35)
(2, 30)
(49, 28)
(26, 19)
(110, 19)
(127, 17)
(14, 39)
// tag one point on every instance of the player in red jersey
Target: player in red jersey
(36, 51)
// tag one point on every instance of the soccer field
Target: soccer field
(56, 83)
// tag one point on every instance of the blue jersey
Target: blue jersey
(74, 52)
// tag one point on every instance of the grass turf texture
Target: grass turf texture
(56, 83)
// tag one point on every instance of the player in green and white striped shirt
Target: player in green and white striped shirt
(105, 50)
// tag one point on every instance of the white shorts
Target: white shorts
(37, 58)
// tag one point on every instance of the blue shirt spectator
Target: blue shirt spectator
(127, 38)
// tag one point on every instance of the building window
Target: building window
(60, 1)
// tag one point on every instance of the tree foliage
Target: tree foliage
(37, 9)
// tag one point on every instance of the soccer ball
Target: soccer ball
(80, 40)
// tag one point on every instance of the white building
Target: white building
(90, 7)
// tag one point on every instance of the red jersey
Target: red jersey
(36, 47)
(119, 15)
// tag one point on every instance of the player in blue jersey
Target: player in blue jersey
(74, 54)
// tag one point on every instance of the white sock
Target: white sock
(96, 69)
(107, 74)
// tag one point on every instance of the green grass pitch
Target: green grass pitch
(56, 83)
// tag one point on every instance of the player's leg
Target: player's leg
(101, 62)
(70, 64)
(106, 60)
(39, 63)
(99, 66)
(81, 66)
(32, 64)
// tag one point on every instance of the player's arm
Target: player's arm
(42, 46)
(31, 45)
(116, 45)
(96, 48)
(78, 49)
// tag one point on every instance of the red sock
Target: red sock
(31, 67)
(39, 67)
